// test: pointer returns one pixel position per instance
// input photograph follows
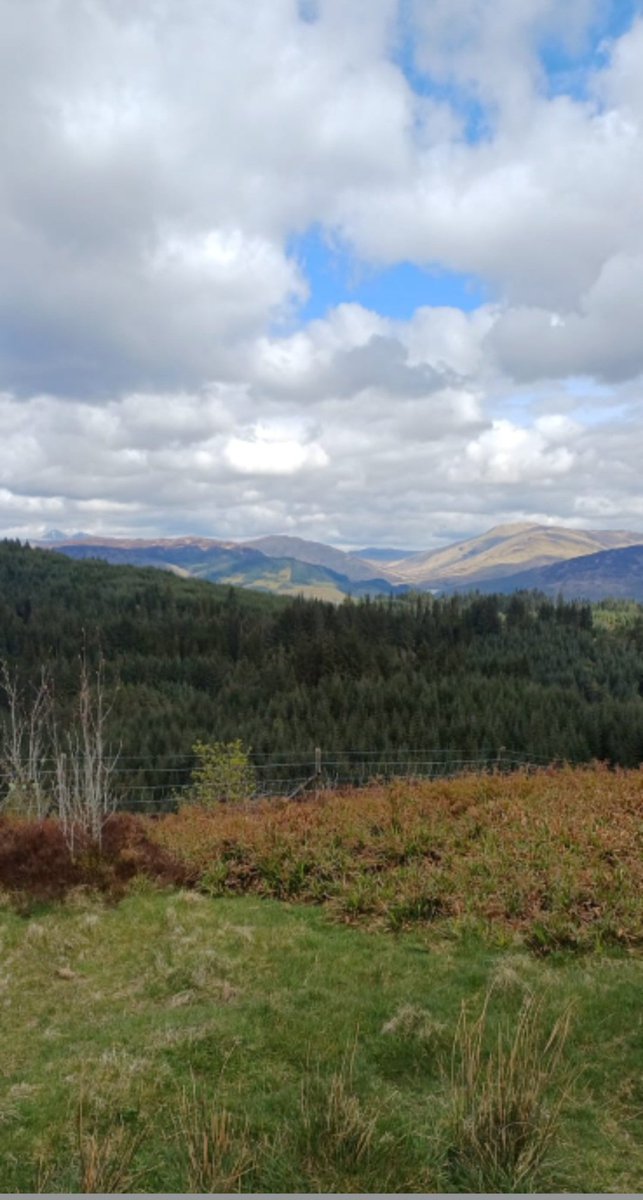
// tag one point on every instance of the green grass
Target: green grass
(176, 1042)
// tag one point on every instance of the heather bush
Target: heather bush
(554, 856)
(37, 862)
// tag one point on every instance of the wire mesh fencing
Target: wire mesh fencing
(149, 786)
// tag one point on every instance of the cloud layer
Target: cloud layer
(160, 159)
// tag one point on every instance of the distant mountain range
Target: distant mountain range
(384, 554)
(318, 554)
(614, 573)
(506, 550)
(585, 563)
(238, 565)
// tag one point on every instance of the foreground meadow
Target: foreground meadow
(428, 987)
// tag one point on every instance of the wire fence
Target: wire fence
(144, 785)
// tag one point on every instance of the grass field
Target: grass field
(437, 1031)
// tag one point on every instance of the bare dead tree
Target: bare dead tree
(25, 744)
(84, 765)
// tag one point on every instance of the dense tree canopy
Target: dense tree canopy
(187, 660)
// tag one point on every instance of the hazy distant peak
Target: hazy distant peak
(506, 549)
(59, 535)
(382, 554)
(614, 573)
(316, 553)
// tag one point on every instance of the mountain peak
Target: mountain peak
(317, 554)
(506, 549)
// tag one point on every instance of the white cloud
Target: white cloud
(491, 51)
(601, 337)
(268, 453)
(158, 159)
(507, 454)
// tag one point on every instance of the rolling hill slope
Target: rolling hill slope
(505, 551)
(318, 554)
(608, 574)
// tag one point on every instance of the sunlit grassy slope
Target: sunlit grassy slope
(309, 1034)
(507, 549)
(309, 1056)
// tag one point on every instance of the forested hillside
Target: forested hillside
(187, 660)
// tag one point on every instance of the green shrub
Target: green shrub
(224, 774)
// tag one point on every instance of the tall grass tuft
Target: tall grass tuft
(343, 1143)
(338, 1131)
(507, 1101)
(104, 1158)
(216, 1150)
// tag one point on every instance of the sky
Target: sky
(363, 271)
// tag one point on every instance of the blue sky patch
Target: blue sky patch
(477, 120)
(308, 11)
(569, 69)
(336, 277)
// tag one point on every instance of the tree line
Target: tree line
(185, 661)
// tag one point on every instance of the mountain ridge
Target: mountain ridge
(504, 550)
(237, 566)
(287, 565)
(609, 574)
(317, 554)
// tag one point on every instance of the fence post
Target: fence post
(318, 770)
